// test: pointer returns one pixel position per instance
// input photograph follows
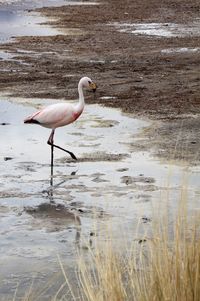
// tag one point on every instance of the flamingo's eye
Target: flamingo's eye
(89, 82)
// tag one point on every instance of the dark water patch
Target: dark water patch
(140, 179)
(47, 210)
(97, 157)
(122, 169)
(105, 123)
(53, 217)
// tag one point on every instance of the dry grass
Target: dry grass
(165, 267)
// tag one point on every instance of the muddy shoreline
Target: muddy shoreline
(141, 74)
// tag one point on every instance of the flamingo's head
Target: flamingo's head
(88, 83)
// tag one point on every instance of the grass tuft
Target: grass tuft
(164, 267)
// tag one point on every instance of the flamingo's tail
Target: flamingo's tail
(30, 120)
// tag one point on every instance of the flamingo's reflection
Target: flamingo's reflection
(55, 217)
(53, 186)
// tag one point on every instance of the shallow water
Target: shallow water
(166, 30)
(111, 183)
(19, 23)
(17, 20)
(181, 50)
(29, 4)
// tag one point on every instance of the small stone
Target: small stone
(7, 158)
(81, 210)
(142, 241)
(146, 220)
(4, 123)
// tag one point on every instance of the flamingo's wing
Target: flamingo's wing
(52, 115)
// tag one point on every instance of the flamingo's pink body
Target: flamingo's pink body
(56, 115)
(61, 114)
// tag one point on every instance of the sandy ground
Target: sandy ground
(138, 73)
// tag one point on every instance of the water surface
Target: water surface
(167, 30)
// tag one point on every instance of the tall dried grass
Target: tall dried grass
(165, 267)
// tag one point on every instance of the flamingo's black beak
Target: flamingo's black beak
(93, 86)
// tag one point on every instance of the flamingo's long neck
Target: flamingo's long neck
(81, 103)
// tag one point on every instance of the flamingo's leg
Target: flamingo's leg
(50, 142)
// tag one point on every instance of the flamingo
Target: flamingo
(61, 114)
